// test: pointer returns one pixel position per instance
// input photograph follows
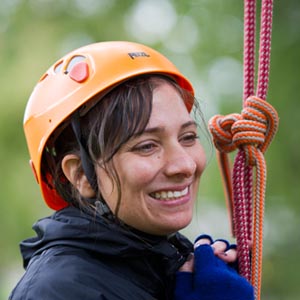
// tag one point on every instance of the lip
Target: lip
(173, 188)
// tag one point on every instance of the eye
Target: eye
(189, 139)
(145, 148)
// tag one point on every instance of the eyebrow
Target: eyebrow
(161, 129)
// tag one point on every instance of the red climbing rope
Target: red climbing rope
(251, 132)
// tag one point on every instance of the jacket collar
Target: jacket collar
(73, 227)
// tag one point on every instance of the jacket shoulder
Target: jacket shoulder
(56, 274)
(62, 272)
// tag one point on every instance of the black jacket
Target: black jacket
(79, 256)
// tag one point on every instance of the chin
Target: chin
(184, 220)
(180, 224)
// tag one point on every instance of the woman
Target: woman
(117, 155)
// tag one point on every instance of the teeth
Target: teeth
(167, 195)
(163, 195)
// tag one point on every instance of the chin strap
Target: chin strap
(102, 208)
(87, 163)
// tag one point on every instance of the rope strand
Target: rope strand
(250, 132)
(249, 47)
(264, 48)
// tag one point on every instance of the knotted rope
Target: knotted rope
(251, 132)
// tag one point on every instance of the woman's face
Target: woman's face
(159, 170)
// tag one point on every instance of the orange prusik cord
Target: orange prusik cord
(251, 132)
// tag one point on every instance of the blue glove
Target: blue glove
(212, 279)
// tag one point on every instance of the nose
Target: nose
(179, 162)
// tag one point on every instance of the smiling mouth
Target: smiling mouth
(169, 195)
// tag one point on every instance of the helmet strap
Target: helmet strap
(88, 168)
(87, 164)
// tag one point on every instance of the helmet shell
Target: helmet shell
(73, 81)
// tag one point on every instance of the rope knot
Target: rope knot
(250, 131)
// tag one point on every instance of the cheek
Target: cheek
(105, 184)
(199, 158)
(201, 163)
(137, 174)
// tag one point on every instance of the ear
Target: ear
(70, 165)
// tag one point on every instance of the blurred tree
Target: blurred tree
(204, 38)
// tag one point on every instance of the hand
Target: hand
(208, 275)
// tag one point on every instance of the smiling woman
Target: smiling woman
(116, 153)
(159, 169)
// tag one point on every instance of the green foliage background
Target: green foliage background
(204, 38)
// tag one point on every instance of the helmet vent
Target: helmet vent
(58, 67)
(74, 61)
(78, 69)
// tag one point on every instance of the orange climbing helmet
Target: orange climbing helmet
(73, 81)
